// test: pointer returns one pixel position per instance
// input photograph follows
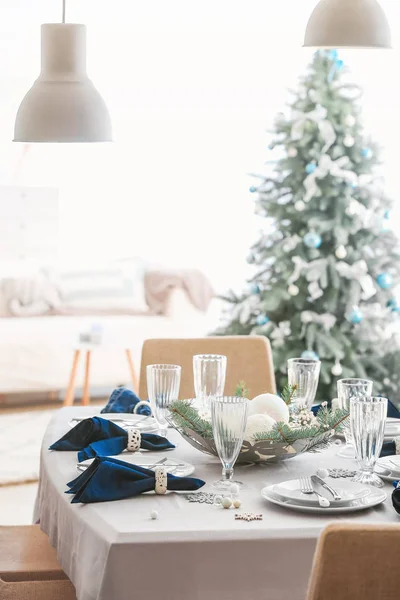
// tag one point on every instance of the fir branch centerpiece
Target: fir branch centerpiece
(304, 431)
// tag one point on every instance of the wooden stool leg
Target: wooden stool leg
(134, 378)
(86, 397)
(69, 396)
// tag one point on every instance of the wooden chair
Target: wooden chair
(249, 359)
(28, 567)
(356, 562)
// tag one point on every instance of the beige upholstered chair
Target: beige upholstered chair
(356, 562)
(249, 359)
(28, 567)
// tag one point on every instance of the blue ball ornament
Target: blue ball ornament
(255, 288)
(309, 355)
(310, 168)
(356, 316)
(252, 189)
(384, 280)
(262, 320)
(386, 214)
(367, 153)
(393, 305)
(312, 240)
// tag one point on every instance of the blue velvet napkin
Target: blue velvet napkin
(123, 400)
(111, 479)
(396, 499)
(98, 437)
(392, 412)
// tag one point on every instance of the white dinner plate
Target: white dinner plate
(175, 467)
(124, 420)
(388, 468)
(290, 490)
(375, 496)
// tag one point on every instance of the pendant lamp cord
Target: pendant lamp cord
(64, 2)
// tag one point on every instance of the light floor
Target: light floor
(16, 504)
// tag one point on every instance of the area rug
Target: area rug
(21, 437)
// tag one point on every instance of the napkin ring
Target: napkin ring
(160, 474)
(397, 444)
(134, 439)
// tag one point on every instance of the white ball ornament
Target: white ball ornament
(292, 152)
(337, 369)
(341, 252)
(299, 205)
(323, 473)
(293, 290)
(237, 503)
(349, 141)
(226, 502)
(350, 121)
(154, 515)
(271, 405)
(257, 423)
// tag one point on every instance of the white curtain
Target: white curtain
(192, 88)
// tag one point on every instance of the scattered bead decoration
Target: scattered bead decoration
(248, 517)
(323, 473)
(237, 503)
(226, 502)
(154, 515)
(337, 473)
(203, 498)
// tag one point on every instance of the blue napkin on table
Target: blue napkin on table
(396, 497)
(392, 412)
(98, 437)
(111, 479)
(123, 400)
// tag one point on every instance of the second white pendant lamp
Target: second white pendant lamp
(63, 105)
(348, 24)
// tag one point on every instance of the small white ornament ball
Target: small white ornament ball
(237, 503)
(386, 381)
(349, 141)
(271, 405)
(299, 205)
(350, 121)
(340, 252)
(257, 424)
(234, 489)
(323, 473)
(293, 290)
(226, 502)
(154, 515)
(292, 152)
(337, 369)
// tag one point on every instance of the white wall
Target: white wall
(192, 87)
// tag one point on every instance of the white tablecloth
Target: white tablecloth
(114, 551)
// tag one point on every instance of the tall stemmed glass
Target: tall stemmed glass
(304, 374)
(229, 419)
(209, 371)
(163, 382)
(347, 389)
(367, 422)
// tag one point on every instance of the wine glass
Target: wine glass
(304, 374)
(163, 382)
(367, 422)
(347, 389)
(209, 371)
(228, 419)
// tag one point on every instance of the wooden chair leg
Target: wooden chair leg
(69, 396)
(86, 396)
(135, 382)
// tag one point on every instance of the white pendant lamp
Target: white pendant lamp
(63, 105)
(348, 24)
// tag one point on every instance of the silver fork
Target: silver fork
(307, 488)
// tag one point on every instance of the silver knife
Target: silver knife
(321, 482)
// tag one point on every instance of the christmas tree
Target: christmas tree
(327, 264)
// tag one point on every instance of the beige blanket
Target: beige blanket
(158, 284)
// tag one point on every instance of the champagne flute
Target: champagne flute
(347, 389)
(209, 371)
(304, 374)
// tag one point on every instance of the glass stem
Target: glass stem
(227, 473)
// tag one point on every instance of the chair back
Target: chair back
(249, 358)
(356, 562)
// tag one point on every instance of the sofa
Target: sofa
(40, 327)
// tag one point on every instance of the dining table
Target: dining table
(192, 551)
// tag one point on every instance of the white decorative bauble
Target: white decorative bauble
(257, 424)
(293, 290)
(226, 502)
(271, 405)
(341, 252)
(323, 473)
(350, 121)
(349, 141)
(386, 381)
(237, 503)
(337, 369)
(292, 152)
(154, 515)
(299, 205)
